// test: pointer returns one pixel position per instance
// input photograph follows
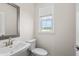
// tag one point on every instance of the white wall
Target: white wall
(77, 24)
(26, 20)
(62, 42)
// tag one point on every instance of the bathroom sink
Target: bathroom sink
(4, 51)
(12, 49)
(19, 47)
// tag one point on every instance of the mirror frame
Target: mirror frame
(18, 23)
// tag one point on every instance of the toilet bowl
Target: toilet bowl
(36, 51)
(39, 52)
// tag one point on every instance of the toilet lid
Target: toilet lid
(39, 51)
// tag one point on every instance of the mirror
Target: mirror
(9, 20)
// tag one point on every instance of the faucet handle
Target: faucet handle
(12, 41)
(6, 44)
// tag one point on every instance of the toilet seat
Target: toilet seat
(39, 52)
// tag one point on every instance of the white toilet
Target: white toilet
(36, 51)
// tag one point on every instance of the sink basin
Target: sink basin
(15, 48)
(4, 51)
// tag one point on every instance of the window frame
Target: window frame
(53, 24)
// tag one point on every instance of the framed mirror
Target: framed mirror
(9, 20)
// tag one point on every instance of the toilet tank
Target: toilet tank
(33, 44)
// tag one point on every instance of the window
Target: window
(46, 23)
(46, 19)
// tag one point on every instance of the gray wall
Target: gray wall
(62, 41)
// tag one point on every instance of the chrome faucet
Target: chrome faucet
(10, 42)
